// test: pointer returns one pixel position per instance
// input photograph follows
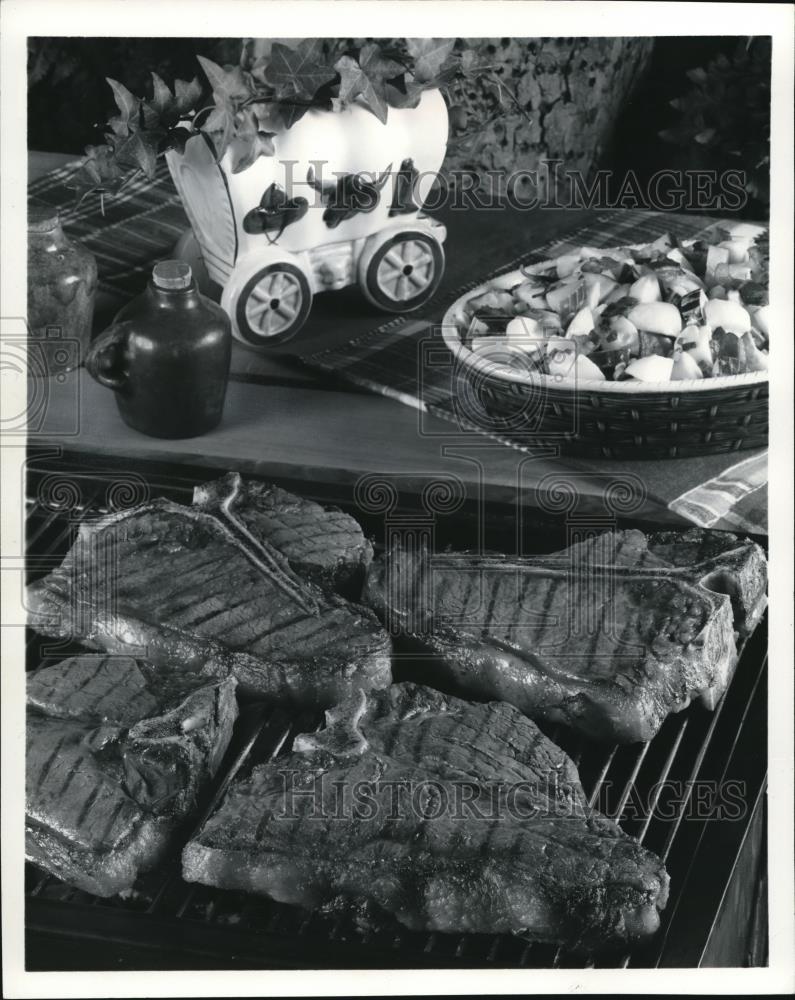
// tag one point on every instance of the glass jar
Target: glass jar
(62, 282)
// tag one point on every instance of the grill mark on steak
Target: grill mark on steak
(494, 597)
(88, 805)
(216, 622)
(117, 811)
(616, 645)
(190, 584)
(69, 779)
(561, 875)
(92, 819)
(326, 545)
(44, 770)
(548, 620)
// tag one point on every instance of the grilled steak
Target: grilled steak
(452, 816)
(324, 545)
(606, 636)
(190, 586)
(722, 562)
(117, 752)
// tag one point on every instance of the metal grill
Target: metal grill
(654, 789)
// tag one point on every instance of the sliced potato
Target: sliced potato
(732, 316)
(568, 296)
(567, 264)
(582, 322)
(620, 333)
(760, 320)
(603, 283)
(685, 367)
(737, 250)
(755, 360)
(651, 369)
(646, 289)
(585, 369)
(697, 341)
(656, 317)
(619, 292)
(523, 328)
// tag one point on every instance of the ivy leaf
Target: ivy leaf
(162, 98)
(139, 150)
(149, 117)
(366, 79)
(378, 66)
(249, 142)
(294, 73)
(187, 95)
(98, 171)
(126, 102)
(354, 83)
(118, 127)
(228, 83)
(285, 114)
(430, 56)
(220, 124)
(129, 107)
(408, 97)
(265, 116)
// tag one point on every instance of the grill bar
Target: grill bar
(688, 745)
(674, 904)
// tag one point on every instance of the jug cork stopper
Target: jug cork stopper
(172, 274)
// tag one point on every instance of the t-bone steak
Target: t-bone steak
(117, 752)
(608, 636)
(322, 544)
(452, 816)
(191, 585)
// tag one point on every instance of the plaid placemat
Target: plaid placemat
(736, 498)
(140, 225)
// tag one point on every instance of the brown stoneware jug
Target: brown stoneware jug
(167, 357)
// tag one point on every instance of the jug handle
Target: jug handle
(103, 355)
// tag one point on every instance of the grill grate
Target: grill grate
(232, 929)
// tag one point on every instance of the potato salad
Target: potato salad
(662, 312)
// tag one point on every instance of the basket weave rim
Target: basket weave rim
(452, 338)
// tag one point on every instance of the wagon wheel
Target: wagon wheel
(402, 272)
(273, 305)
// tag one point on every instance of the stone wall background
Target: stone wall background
(573, 90)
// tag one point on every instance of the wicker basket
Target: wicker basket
(622, 420)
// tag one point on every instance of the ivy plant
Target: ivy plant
(241, 110)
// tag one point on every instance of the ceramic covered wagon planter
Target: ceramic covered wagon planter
(340, 203)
